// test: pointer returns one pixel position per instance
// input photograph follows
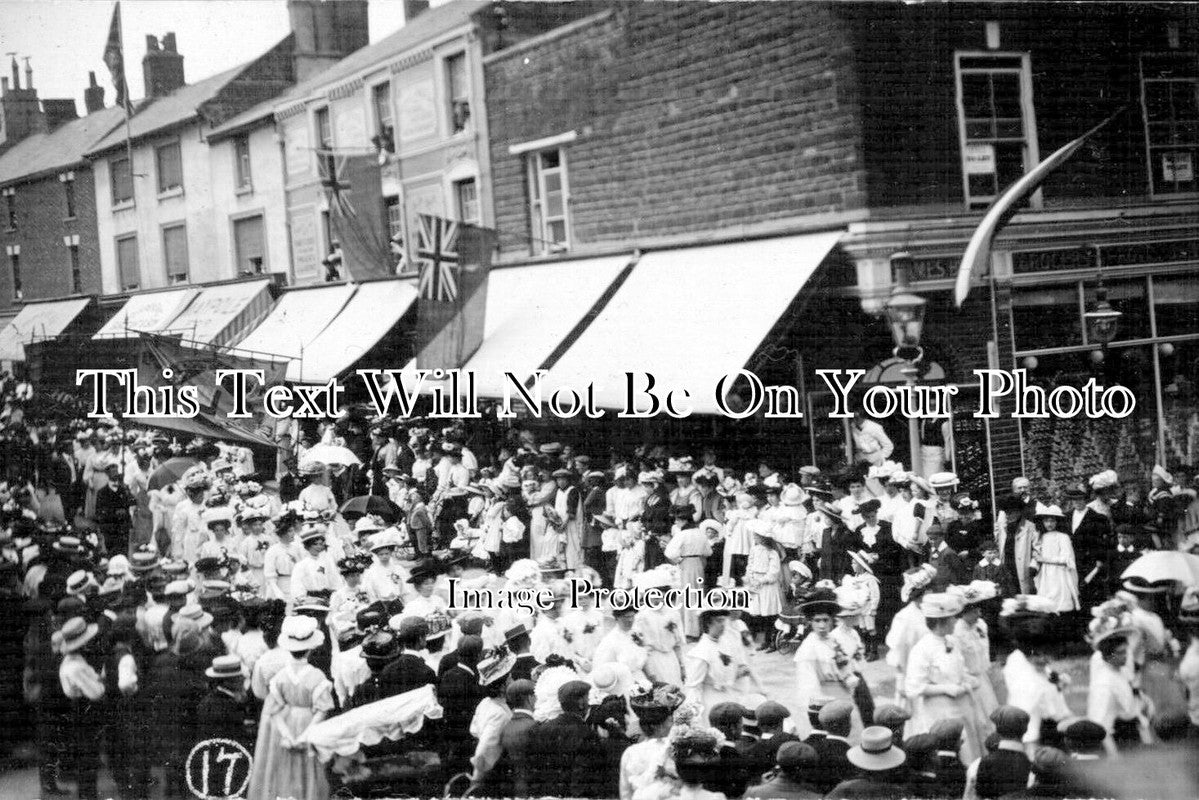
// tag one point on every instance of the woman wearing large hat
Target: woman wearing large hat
(1032, 685)
(1111, 699)
(1053, 556)
(936, 681)
(973, 637)
(822, 669)
(84, 689)
(300, 696)
(311, 575)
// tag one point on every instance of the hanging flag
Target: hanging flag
(974, 260)
(454, 259)
(353, 188)
(114, 59)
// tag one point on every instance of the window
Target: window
(324, 129)
(1170, 92)
(395, 233)
(381, 99)
(122, 181)
(68, 188)
(998, 138)
(10, 207)
(249, 245)
(169, 162)
(241, 163)
(549, 200)
(466, 195)
(14, 263)
(174, 253)
(76, 272)
(456, 88)
(127, 263)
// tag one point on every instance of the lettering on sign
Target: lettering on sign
(305, 243)
(1177, 167)
(218, 769)
(980, 159)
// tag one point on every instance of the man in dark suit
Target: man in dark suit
(222, 712)
(566, 750)
(379, 649)
(1091, 534)
(459, 694)
(1006, 768)
(796, 762)
(834, 766)
(761, 753)
(384, 452)
(409, 670)
(514, 769)
(951, 570)
(733, 773)
(519, 643)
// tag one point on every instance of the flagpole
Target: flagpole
(128, 100)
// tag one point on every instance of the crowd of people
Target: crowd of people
(161, 595)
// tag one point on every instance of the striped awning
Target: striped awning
(148, 312)
(38, 321)
(223, 314)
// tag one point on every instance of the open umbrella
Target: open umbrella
(171, 471)
(331, 454)
(365, 504)
(1166, 565)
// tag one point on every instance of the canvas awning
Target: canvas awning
(689, 316)
(149, 312)
(530, 312)
(299, 317)
(38, 321)
(369, 315)
(222, 314)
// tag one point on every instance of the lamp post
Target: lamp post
(905, 315)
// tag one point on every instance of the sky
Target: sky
(64, 39)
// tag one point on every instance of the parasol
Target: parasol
(1166, 565)
(171, 471)
(365, 504)
(331, 454)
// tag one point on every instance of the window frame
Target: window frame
(243, 167)
(167, 229)
(237, 251)
(380, 101)
(452, 100)
(542, 244)
(1027, 113)
(76, 269)
(322, 119)
(167, 191)
(117, 240)
(68, 188)
(118, 202)
(14, 265)
(1149, 146)
(10, 208)
(459, 206)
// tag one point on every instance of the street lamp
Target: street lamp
(905, 315)
(1103, 321)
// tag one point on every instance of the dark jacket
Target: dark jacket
(514, 768)
(780, 786)
(732, 773)
(834, 766)
(524, 666)
(951, 570)
(219, 716)
(1002, 772)
(566, 752)
(761, 752)
(406, 673)
(868, 788)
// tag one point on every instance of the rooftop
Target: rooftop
(61, 148)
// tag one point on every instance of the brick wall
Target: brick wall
(691, 117)
(267, 77)
(41, 226)
(1085, 63)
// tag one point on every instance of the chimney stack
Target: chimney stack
(20, 110)
(414, 8)
(93, 95)
(57, 111)
(326, 31)
(162, 67)
(16, 75)
(28, 74)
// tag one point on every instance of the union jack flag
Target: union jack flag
(332, 167)
(437, 257)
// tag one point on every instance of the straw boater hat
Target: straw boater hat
(876, 753)
(495, 666)
(76, 633)
(311, 532)
(217, 515)
(1049, 511)
(300, 633)
(943, 480)
(143, 561)
(196, 613)
(224, 667)
(940, 605)
(79, 581)
(388, 537)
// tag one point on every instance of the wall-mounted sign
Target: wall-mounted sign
(1177, 168)
(980, 159)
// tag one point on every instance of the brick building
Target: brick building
(662, 126)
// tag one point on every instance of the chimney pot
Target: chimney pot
(151, 43)
(91, 80)
(4, 85)
(162, 68)
(16, 76)
(28, 74)
(93, 95)
(168, 42)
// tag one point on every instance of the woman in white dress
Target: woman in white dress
(972, 635)
(936, 681)
(385, 579)
(822, 668)
(712, 675)
(660, 629)
(763, 576)
(1053, 556)
(1111, 700)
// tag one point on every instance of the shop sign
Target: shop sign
(1177, 168)
(980, 159)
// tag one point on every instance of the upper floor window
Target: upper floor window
(549, 200)
(169, 162)
(1170, 90)
(68, 189)
(121, 175)
(466, 197)
(14, 262)
(395, 232)
(10, 207)
(249, 244)
(76, 271)
(174, 253)
(324, 129)
(997, 130)
(457, 92)
(241, 163)
(384, 138)
(128, 269)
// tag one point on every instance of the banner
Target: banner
(454, 259)
(357, 223)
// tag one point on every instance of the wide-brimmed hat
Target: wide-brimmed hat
(76, 633)
(313, 603)
(975, 592)
(388, 537)
(228, 666)
(368, 523)
(79, 581)
(312, 531)
(876, 753)
(939, 605)
(196, 613)
(300, 633)
(217, 515)
(1075, 492)
(1138, 585)
(917, 578)
(821, 602)
(610, 679)
(943, 480)
(424, 570)
(70, 545)
(380, 646)
(143, 561)
(867, 506)
(495, 666)
(1049, 511)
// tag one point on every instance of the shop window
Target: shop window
(549, 200)
(1170, 91)
(997, 132)
(174, 253)
(1176, 305)
(1046, 316)
(169, 162)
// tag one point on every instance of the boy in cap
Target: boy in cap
(1007, 767)
(760, 754)
(796, 763)
(836, 720)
